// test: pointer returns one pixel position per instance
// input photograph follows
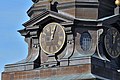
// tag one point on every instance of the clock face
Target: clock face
(52, 38)
(112, 42)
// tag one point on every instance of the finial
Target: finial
(117, 2)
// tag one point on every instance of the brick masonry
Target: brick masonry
(38, 74)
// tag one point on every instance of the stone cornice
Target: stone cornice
(46, 14)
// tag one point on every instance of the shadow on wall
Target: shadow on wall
(106, 8)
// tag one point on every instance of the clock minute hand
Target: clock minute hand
(114, 37)
(53, 32)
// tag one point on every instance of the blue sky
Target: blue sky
(12, 45)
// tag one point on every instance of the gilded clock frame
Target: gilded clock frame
(63, 42)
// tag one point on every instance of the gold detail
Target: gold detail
(117, 2)
(61, 37)
(59, 42)
(56, 47)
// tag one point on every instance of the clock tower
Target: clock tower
(70, 40)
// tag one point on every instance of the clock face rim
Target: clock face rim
(105, 42)
(63, 42)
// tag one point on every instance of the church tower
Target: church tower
(70, 40)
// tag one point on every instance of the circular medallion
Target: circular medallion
(52, 38)
(85, 41)
(112, 42)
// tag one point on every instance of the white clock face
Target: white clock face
(85, 41)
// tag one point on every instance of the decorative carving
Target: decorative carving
(80, 47)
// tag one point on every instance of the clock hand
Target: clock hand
(53, 32)
(114, 36)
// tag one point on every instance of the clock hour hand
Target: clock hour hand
(53, 32)
(114, 37)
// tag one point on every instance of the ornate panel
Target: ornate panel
(85, 41)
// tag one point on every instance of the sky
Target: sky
(13, 14)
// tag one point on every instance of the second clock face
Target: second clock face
(52, 38)
(112, 42)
